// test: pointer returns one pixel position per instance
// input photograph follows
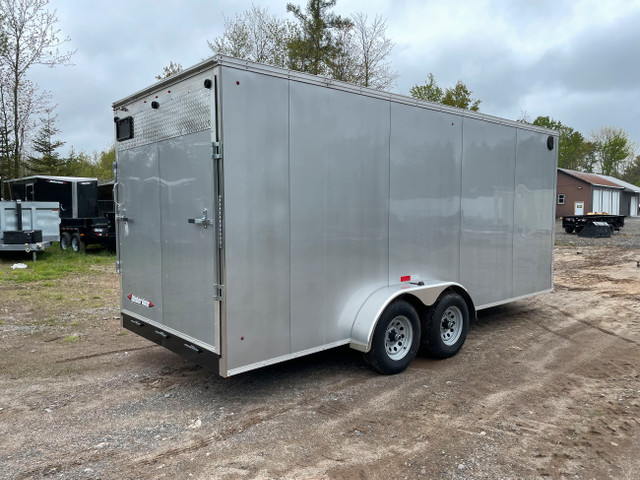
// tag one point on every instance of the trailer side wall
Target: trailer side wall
(330, 196)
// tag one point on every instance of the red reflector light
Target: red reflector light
(406, 278)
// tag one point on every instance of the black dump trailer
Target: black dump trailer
(576, 223)
(86, 208)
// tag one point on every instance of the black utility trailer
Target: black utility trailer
(575, 223)
(86, 208)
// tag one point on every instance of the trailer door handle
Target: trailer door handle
(204, 221)
(122, 217)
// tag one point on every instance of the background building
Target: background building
(580, 193)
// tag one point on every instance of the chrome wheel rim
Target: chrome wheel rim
(398, 337)
(451, 325)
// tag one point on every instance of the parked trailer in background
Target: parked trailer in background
(265, 214)
(28, 226)
(575, 223)
(85, 207)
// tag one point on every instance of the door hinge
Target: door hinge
(218, 292)
(219, 213)
(216, 150)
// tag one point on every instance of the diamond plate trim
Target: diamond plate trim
(189, 113)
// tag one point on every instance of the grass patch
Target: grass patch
(73, 338)
(49, 322)
(54, 263)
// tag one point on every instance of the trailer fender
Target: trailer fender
(369, 313)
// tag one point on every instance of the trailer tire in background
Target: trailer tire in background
(65, 240)
(77, 245)
(396, 339)
(445, 326)
(568, 229)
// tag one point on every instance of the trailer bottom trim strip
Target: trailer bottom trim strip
(194, 353)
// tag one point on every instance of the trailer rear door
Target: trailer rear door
(166, 231)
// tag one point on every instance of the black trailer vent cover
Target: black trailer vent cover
(550, 142)
(124, 129)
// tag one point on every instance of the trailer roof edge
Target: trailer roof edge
(52, 177)
(237, 63)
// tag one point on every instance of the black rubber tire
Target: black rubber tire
(378, 357)
(578, 230)
(432, 342)
(65, 241)
(568, 229)
(77, 245)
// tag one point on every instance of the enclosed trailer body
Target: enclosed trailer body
(28, 226)
(265, 214)
(78, 196)
(86, 208)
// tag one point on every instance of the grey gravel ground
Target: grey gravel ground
(627, 237)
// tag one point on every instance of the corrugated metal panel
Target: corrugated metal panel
(592, 178)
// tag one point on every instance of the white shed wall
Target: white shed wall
(605, 200)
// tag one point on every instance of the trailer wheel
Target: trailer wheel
(568, 229)
(445, 326)
(396, 339)
(77, 245)
(65, 240)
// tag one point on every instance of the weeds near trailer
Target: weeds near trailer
(53, 263)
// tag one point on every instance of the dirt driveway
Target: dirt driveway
(546, 387)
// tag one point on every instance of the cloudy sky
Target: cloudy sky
(575, 60)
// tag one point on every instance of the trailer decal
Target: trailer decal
(140, 301)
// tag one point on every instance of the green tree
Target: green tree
(613, 150)
(31, 38)
(460, 96)
(47, 161)
(103, 162)
(78, 164)
(632, 172)
(314, 49)
(457, 96)
(572, 148)
(351, 50)
(589, 160)
(98, 164)
(429, 92)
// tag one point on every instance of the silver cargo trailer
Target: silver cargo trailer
(265, 214)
